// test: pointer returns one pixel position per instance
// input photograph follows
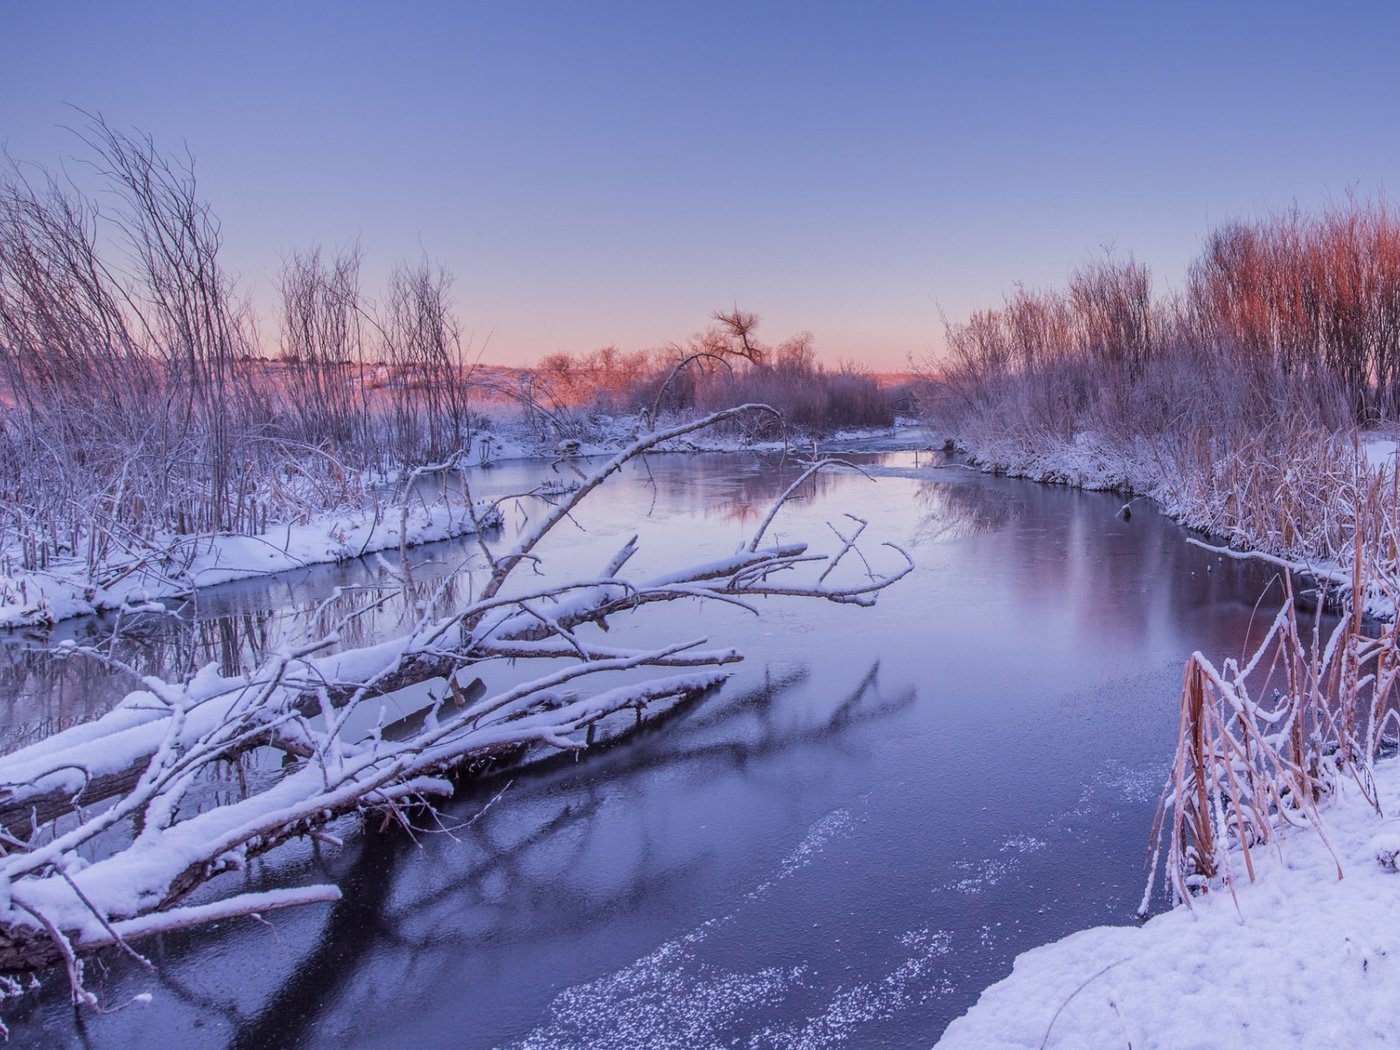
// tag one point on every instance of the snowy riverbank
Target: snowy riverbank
(607, 435)
(66, 589)
(1306, 959)
(1292, 507)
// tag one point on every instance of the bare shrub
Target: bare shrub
(1313, 296)
(139, 411)
(422, 346)
(133, 410)
(323, 347)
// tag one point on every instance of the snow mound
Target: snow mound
(1305, 960)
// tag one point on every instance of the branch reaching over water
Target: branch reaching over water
(109, 826)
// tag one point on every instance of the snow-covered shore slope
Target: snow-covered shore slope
(1305, 960)
(64, 589)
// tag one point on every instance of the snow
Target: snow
(229, 908)
(64, 590)
(671, 997)
(606, 435)
(1305, 959)
(1379, 451)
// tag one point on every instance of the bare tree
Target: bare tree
(423, 348)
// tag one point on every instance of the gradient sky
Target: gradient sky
(602, 173)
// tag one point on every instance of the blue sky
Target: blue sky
(611, 173)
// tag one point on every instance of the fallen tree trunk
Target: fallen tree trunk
(126, 787)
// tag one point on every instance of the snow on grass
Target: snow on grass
(1305, 960)
(1380, 450)
(605, 435)
(65, 589)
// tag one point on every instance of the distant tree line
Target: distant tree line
(724, 364)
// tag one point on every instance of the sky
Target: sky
(611, 173)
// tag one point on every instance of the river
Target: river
(843, 847)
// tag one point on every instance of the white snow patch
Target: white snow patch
(663, 1000)
(837, 822)
(1023, 844)
(65, 589)
(1379, 451)
(979, 875)
(851, 1007)
(1306, 960)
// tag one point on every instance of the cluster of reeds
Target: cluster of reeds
(1262, 742)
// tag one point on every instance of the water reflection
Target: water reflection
(952, 511)
(413, 917)
(364, 600)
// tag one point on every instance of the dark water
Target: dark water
(843, 847)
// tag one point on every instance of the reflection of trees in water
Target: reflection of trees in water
(49, 693)
(952, 510)
(1122, 582)
(732, 487)
(748, 496)
(236, 633)
(44, 695)
(1068, 556)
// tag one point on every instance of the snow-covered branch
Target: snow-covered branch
(110, 825)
